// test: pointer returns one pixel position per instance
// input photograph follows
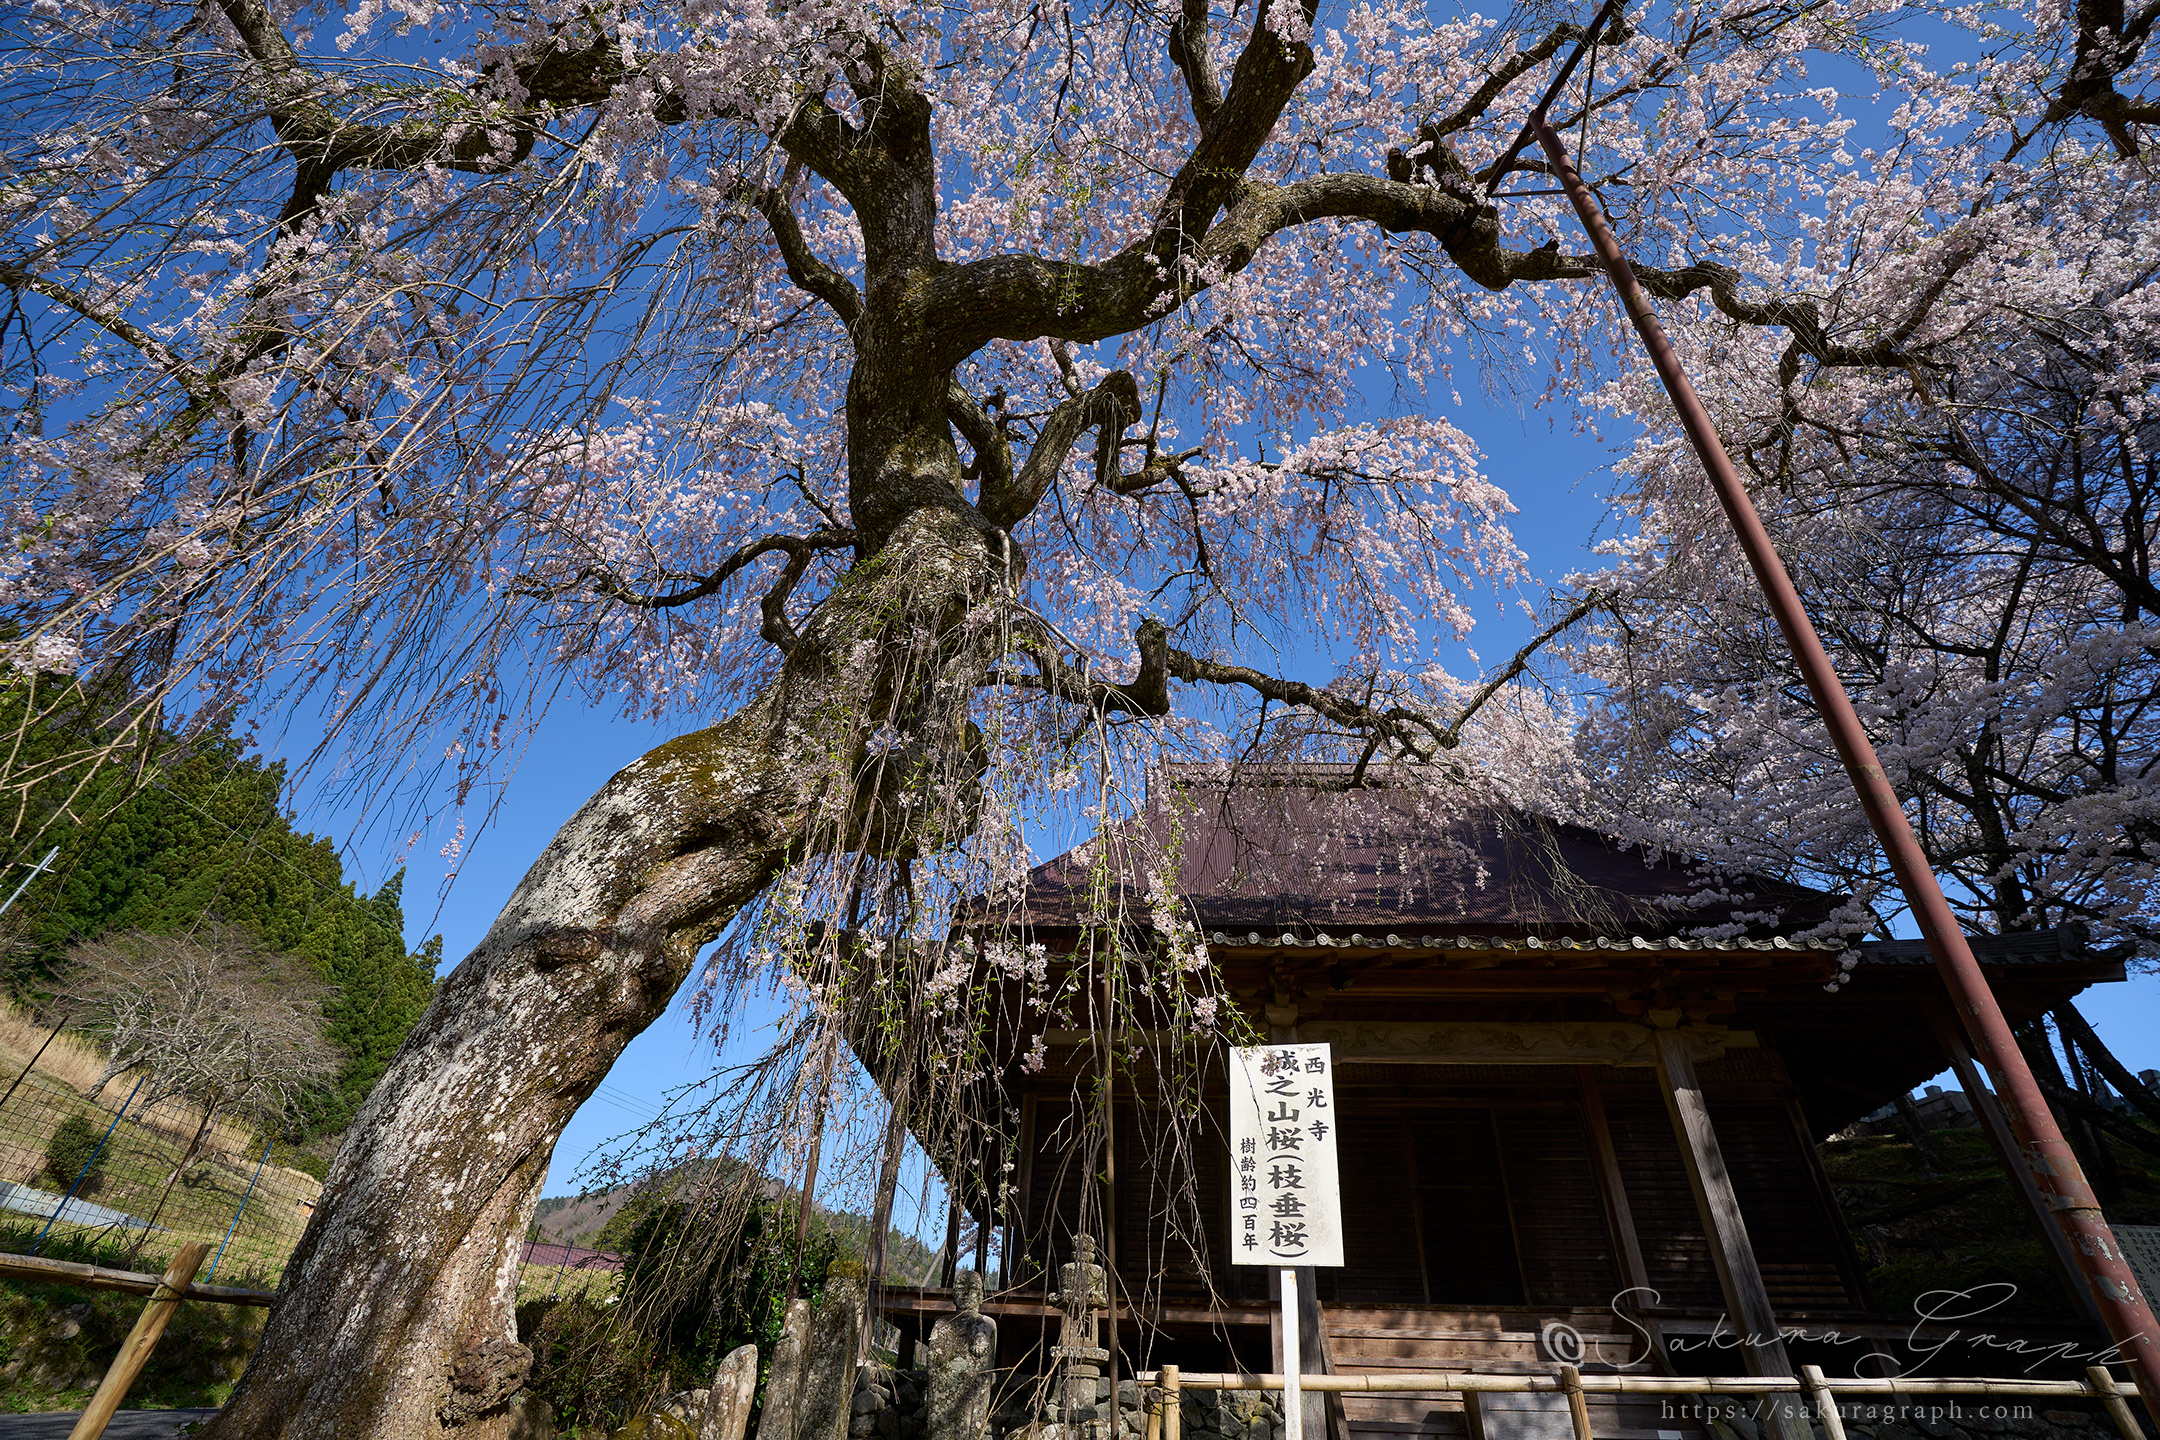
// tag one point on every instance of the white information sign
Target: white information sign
(1285, 1201)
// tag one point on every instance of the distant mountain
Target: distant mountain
(578, 1220)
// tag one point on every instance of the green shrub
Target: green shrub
(591, 1368)
(72, 1146)
(308, 1159)
(689, 1293)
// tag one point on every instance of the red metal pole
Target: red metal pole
(2115, 1288)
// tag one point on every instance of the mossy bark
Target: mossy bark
(397, 1313)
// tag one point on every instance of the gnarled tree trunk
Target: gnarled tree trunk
(430, 1196)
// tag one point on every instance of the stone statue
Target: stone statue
(963, 1365)
(1083, 1291)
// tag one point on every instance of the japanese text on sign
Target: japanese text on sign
(1285, 1203)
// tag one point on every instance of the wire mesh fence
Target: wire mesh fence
(91, 1174)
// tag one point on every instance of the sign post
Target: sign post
(1287, 1199)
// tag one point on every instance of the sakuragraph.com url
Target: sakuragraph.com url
(1935, 1411)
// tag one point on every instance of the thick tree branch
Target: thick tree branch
(1148, 692)
(2088, 1109)
(1189, 52)
(809, 273)
(2108, 44)
(985, 433)
(2073, 1024)
(323, 142)
(489, 139)
(800, 549)
(1408, 732)
(1023, 297)
(1480, 100)
(1111, 405)
(1267, 74)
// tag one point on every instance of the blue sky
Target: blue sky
(1556, 478)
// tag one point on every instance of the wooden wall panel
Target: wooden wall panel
(1172, 1210)
(1055, 1186)
(1463, 1206)
(1794, 1241)
(1380, 1236)
(1675, 1251)
(1560, 1230)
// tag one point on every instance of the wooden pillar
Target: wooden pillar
(1619, 1216)
(1747, 1299)
(2003, 1140)
(135, 1350)
(1848, 1255)
(951, 1268)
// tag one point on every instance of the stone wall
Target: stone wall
(888, 1404)
(1207, 1414)
(1232, 1415)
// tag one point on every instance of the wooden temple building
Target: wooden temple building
(1576, 1087)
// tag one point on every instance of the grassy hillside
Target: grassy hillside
(137, 1171)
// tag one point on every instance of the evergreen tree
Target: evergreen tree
(381, 989)
(204, 839)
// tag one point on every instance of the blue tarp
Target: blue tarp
(25, 1200)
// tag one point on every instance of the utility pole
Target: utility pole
(2060, 1182)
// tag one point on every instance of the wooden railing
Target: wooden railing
(1168, 1385)
(165, 1291)
(98, 1277)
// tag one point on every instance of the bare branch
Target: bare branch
(212, 1017)
(1592, 601)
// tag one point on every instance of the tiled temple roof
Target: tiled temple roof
(1286, 852)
